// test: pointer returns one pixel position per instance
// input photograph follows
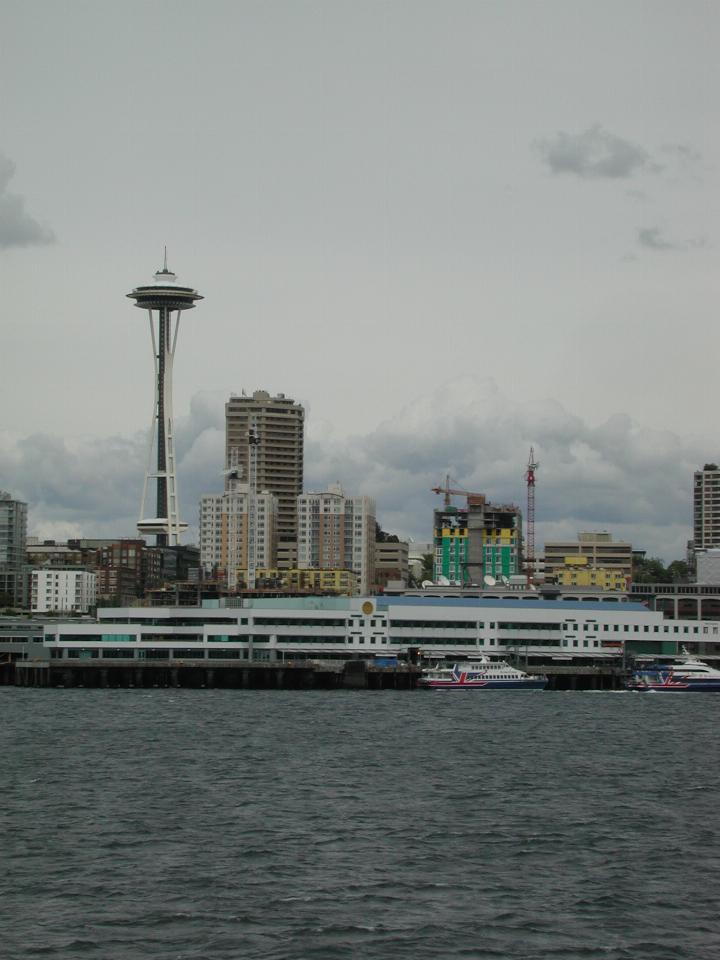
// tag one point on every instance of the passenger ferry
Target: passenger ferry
(689, 676)
(481, 674)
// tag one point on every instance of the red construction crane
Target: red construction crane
(449, 491)
(530, 533)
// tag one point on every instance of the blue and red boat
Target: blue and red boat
(689, 676)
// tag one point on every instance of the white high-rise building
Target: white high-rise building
(62, 591)
(336, 532)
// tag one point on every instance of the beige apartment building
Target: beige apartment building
(337, 532)
(706, 507)
(279, 425)
(224, 530)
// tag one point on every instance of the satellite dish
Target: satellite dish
(533, 587)
(443, 581)
(427, 583)
(489, 581)
(505, 580)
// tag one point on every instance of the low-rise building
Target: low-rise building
(537, 630)
(707, 566)
(341, 582)
(56, 590)
(593, 560)
(391, 563)
(124, 569)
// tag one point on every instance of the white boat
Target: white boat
(690, 675)
(480, 674)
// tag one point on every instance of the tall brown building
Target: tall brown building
(279, 424)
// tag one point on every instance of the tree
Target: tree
(653, 570)
(678, 571)
(649, 570)
(382, 537)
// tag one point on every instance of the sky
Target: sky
(449, 229)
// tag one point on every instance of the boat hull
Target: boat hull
(534, 684)
(711, 686)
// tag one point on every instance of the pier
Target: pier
(577, 676)
(216, 674)
(271, 675)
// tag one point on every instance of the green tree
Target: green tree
(650, 570)
(678, 571)
(382, 537)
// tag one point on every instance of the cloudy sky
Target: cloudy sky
(450, 229)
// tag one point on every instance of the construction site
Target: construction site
(481, 543)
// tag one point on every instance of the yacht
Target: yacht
(481, 674)
(690, 675)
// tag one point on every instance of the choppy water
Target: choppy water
(281, 825)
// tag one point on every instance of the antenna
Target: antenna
(532, 466)
(233, 532)
(165, 269)
(253, 443)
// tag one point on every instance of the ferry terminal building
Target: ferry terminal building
(534, 629)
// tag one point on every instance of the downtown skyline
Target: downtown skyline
(450, 232)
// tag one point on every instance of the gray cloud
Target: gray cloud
(635, 482)
(17, 227)
(594, 154)
(685, 161)
(652, 238)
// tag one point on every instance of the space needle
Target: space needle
(162, 299)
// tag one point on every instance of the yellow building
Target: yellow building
(578, 572)
(341, 582)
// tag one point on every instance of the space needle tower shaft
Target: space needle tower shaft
(164, 301)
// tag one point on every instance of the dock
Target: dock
(215, 674)
(271, 675)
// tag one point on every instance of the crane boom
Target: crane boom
(449, 491)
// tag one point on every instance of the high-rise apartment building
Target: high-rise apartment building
(706, 507)
(336, 532)
(278, 423)
(224, 528)
(13, 539)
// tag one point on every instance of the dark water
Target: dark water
(253, 824)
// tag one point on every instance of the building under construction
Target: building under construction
(478, 540)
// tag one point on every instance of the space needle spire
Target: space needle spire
(162, 299)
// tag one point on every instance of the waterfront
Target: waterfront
(285, 825)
